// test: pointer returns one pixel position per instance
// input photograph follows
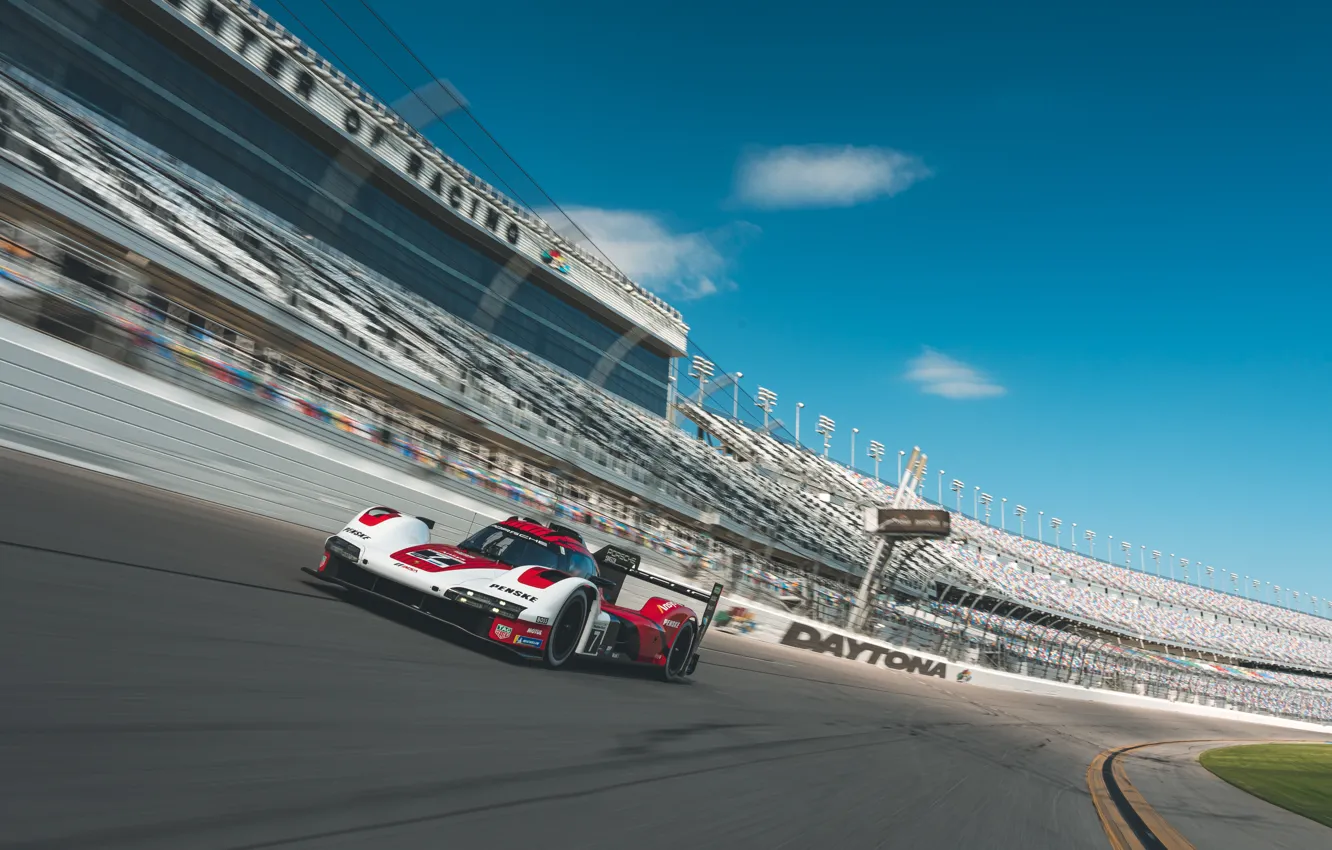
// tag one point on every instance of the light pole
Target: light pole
(1074, 536)
(766, 399)
(1156, 556)
(900, 454)
(1056, 523)
(1128, 556)
(735, 396)
(986, 499)
(825, 427)
(1142, 559)
(854, 432)
(701, 370)
(1184, 562)
(1091, 543)
(975, 496)
(800, 405)
(1172, 566)
(1211, 584)
(1109, 549)
(1021, 512)
(941, 475)
(957, 489)
(1003, 505)
(876, 452)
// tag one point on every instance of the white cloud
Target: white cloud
(683, 266)
(939, 374)
(824, 176)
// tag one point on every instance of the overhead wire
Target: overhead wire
(440, 118)
(393, 33)
(346, 66)
(470, 114)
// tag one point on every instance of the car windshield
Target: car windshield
(508, 547)
(520, 550)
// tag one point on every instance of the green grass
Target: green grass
(1297, 777)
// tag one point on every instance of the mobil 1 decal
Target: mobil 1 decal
(804, 636)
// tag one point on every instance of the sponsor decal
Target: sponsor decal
(503, 632)
(554, 258)
(360, 534)
(543, 621)
(663, 607)
(524, 640)
(807, 637)
(672, 624)
(533, 630)
(513, 592)
(619, 559)
(406, 567)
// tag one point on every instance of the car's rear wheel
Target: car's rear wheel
(677, 660)
(566, 631)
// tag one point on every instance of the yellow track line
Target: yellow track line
(1115, 813)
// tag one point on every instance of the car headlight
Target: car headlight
(482, 602)
(343, 549)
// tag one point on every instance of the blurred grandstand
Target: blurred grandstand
(111, 242)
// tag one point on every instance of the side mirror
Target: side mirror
(603, 583)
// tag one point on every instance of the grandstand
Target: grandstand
(289, 132)
(779, 520)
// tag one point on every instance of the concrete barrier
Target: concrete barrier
(838, 646)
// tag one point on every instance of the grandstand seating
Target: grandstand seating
(770, 490)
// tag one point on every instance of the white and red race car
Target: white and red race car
(534, 588)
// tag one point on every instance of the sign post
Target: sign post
(896, 521)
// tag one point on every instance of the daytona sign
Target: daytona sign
(807, 637)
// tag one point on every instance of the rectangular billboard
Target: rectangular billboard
(907, 522)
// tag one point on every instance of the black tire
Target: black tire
(566, 631)
(677, 660)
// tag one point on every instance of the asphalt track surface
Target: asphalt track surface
(1211, 812)
(171, 680)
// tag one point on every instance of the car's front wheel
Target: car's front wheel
(566, 631)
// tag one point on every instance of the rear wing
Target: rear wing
(618, 564)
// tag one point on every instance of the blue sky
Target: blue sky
(1097, 235)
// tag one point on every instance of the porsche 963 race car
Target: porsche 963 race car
(534, 588)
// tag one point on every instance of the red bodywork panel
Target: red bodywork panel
(375, 516)
(542, 533)
(658, 623)
(438, 558)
